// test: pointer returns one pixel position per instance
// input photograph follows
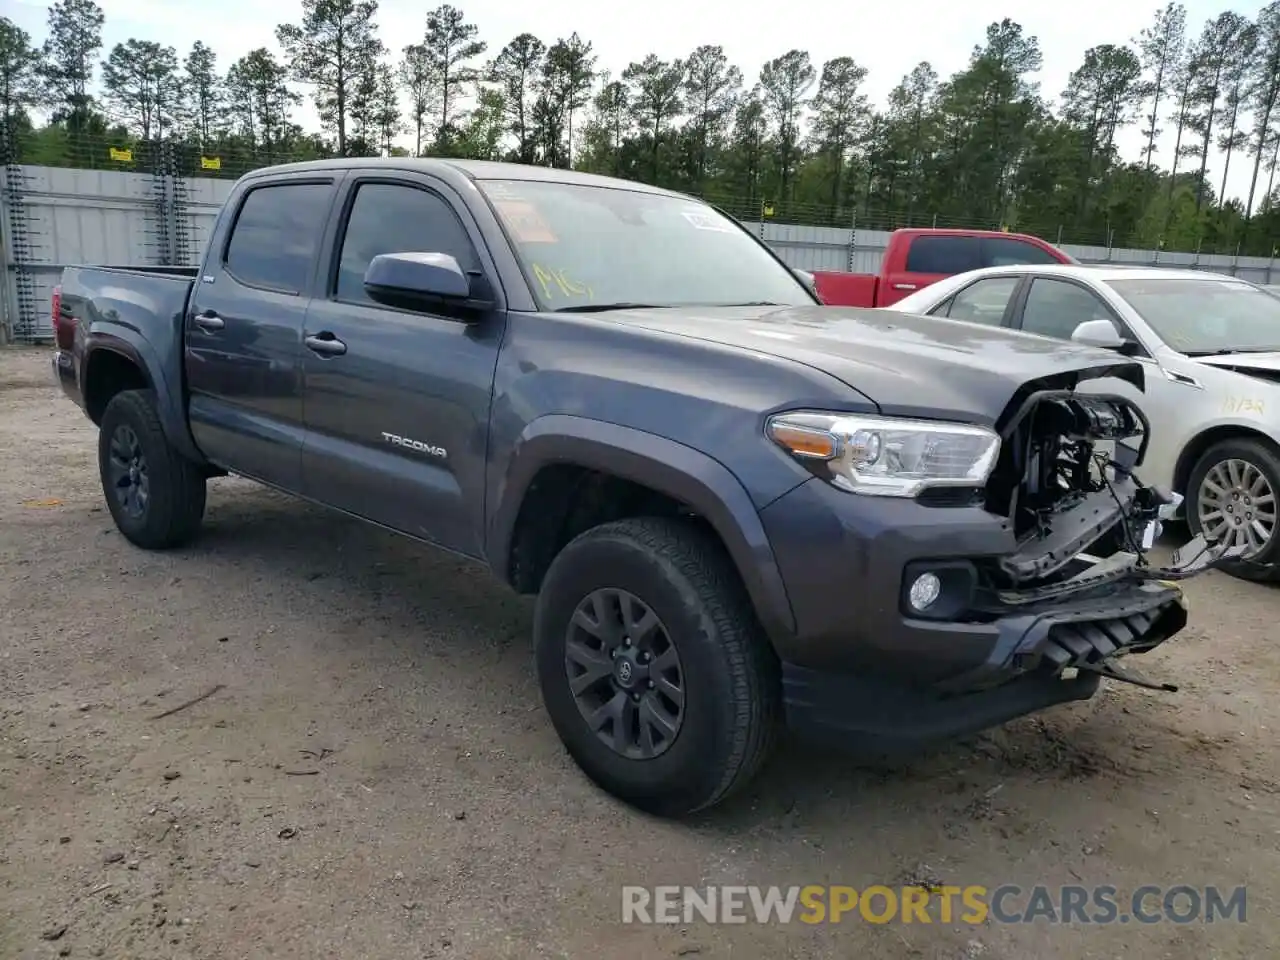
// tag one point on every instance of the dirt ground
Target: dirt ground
(374, 777)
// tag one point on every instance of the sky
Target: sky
(887, 40)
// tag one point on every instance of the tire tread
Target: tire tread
(177, 505)
(1269, 461)
(702, 568)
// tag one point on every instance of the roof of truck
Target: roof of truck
(472, 169)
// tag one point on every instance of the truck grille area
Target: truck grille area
(1050, 458)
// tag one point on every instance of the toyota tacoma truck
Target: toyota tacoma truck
(915, 257)
(737, 508)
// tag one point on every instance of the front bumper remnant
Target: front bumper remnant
(1053, 645)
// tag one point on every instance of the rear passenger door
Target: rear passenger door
(397, 400)
(243, 338)
(987, 301)
(930, 259)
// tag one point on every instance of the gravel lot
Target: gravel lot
(374, 777)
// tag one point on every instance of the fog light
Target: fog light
(924, 591)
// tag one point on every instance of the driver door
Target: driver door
(396, 401)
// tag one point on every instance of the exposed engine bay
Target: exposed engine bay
(1065, 480)
(1050, 461)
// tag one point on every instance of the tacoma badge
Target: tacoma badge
(415, 445)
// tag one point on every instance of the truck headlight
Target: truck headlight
(887, 456)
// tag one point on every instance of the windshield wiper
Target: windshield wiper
(620, 305)
(753, 303)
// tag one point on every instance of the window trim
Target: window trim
(1006, 318)
(225, 266)
(1123, 328)
(340, 236)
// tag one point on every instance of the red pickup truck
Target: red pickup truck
(916, 258)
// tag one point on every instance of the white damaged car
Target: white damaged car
(1211, 347)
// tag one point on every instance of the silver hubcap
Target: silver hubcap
(1237, 505)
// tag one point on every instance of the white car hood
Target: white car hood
(1266, 365)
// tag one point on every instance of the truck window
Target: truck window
(948, 255)
(1054, 308)
(276, 235)
(982, 302)
(395, 218)
(1006, 251)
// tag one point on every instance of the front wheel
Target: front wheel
(155, 495)
(1231, 497)
(655, 673)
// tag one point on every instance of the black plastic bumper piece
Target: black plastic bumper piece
(867, 716)
(1044, 658)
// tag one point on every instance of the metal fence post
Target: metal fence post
(853, 240)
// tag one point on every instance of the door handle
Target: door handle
(209, 321)
(904, 286)
(325, 344)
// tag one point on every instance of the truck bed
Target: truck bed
(134, 309)
(163, 271)
(837, 288)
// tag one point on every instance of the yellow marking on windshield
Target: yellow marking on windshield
(559, 280)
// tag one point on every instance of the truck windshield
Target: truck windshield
(585, 247)
(1204, 317)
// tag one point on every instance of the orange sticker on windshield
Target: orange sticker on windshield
(525, 222)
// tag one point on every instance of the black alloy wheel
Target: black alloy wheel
(127, 472)
(625, 674)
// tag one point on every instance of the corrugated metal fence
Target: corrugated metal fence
(54, 217)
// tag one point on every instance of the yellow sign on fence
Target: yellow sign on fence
(210, 163)
(124, 156)
(768, 209)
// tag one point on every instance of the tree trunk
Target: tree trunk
(1264, 125)
(1155, 111)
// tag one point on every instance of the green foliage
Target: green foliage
(984, 147)
(335, 50)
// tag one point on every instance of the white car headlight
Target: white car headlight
(887, 456)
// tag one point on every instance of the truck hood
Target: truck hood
(907, 365)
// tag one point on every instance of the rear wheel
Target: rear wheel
(654, 671)
(155, 495)
(1232, 497)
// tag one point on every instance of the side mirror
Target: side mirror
(418, 280)
(1099, 333)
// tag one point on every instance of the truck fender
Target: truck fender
(663, 465)
(138, 350)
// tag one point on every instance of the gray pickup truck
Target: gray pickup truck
(737, 507)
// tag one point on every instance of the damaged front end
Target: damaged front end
(1080, 590)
